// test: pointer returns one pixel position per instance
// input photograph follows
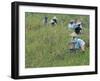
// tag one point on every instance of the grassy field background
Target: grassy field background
(47, 46)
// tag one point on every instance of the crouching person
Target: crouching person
(77, 44)
(71, 24)
(53, 21)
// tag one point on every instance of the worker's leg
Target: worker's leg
(83, 48)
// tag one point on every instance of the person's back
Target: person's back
(80, 44)
(71, 25)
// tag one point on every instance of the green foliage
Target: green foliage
(47, 46)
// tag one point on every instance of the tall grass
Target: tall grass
(47, 46)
